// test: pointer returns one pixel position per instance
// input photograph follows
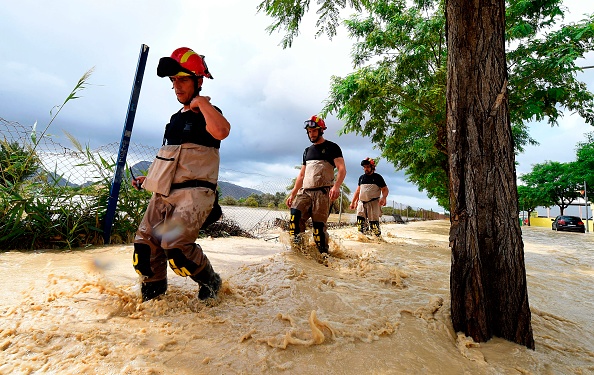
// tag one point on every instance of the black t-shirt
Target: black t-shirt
(189, 127)
(326, 150)
(374, 178)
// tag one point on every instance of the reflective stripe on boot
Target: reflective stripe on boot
(375, 228)
(320, 237)
(361, 224)
(294, 228)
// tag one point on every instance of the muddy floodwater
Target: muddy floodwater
(376, 306)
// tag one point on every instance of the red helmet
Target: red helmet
(183, 62)
(315, 122)
(368, 161)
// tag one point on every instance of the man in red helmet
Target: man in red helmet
(370, 196)
(183, 178)
(315, 187)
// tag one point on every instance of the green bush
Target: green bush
(251, 202)
(37, 213)
(17, 163)
(228, 201)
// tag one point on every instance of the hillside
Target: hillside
(236, 191)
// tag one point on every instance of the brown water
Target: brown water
(378, 307)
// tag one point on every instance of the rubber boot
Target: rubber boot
(209, 281)
(153, 289)
(294, 227)
(375, 228)
(320, 237)
(361, 224)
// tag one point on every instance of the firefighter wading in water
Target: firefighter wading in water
(370, 196)
(183, 178)
(315, 187)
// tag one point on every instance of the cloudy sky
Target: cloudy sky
(264, 91)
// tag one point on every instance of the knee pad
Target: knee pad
(294, 222)
(141, 260)
(178, 262)
(320, 236)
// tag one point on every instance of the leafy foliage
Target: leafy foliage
(529, 198)
(556, 183)
(16, 163)
(542, 69)
(583, 167)
(289, 13)
(38, 213)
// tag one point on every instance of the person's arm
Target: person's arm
(355, 198)
(298, 185)
(216, 124)
(335, 190)
(385, 192)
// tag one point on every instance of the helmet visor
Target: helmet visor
(169, 67)
(310, 124)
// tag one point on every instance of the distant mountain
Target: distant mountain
(59, 180)
(236, 191)
(226, 188)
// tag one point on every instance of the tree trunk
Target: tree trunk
(488, 275)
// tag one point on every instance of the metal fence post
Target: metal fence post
(340, 206)
(586, 204)
(124, 143)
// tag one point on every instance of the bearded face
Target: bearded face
(314, 135)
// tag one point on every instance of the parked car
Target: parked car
(569, 223)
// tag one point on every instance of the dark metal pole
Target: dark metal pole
(586, 204)
(340, 206)
(124, 143)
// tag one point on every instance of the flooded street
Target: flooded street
(375, 307)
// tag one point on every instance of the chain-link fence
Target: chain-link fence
(255, 208)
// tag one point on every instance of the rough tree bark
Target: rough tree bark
(488, 275)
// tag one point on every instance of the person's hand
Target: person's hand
(198, 101)
(382, 201)
(137, 182)
(334, 193)
(289, 201)
(352, 206)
